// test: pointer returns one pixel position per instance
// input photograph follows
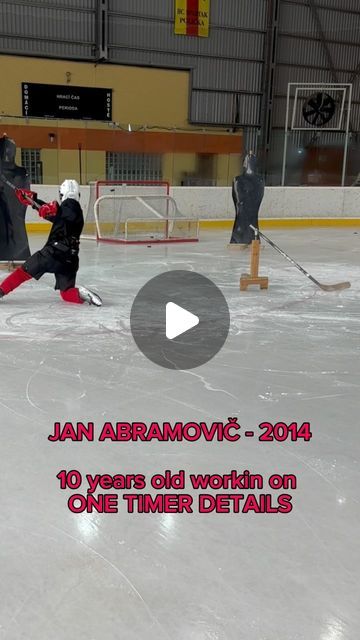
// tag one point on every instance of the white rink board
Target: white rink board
(209, 203)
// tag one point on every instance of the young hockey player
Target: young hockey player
(60, 255)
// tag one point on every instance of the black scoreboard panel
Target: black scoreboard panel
(66, 101)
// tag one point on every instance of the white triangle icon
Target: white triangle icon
(178, 320)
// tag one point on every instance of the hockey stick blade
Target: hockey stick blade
(325, 287)
(334, 287)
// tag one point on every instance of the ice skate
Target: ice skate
(89, 296)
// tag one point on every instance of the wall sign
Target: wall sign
(192, 17)
(66, 101)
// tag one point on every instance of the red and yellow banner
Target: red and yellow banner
(192, 17)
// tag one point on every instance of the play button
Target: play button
(179, 319)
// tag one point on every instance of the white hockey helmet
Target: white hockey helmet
(69, 189)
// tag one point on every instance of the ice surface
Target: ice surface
(292, 354)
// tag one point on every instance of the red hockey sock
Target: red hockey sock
(15, 279)
(71, 295)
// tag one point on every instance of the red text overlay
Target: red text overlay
(230, 431)
(179, 492)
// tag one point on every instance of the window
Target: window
(30, 159)
(133, 166)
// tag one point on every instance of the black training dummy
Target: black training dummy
(14, 243)
(247, 193)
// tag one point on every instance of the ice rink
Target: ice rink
(292, 355)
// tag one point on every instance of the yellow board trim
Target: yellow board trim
(269, 223)
(38, 227)
(285, 223)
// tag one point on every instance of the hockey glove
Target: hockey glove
(25, 196)
(49, 210)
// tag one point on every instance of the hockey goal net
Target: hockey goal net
(136, 212)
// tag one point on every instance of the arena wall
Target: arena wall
(153, 101)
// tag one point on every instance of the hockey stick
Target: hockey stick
(14, 188)
(325, 287)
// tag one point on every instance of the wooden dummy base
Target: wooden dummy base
(246, 279)
(253, 277)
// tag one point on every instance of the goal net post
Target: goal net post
(136, 213)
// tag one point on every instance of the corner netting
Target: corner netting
(135, 213)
